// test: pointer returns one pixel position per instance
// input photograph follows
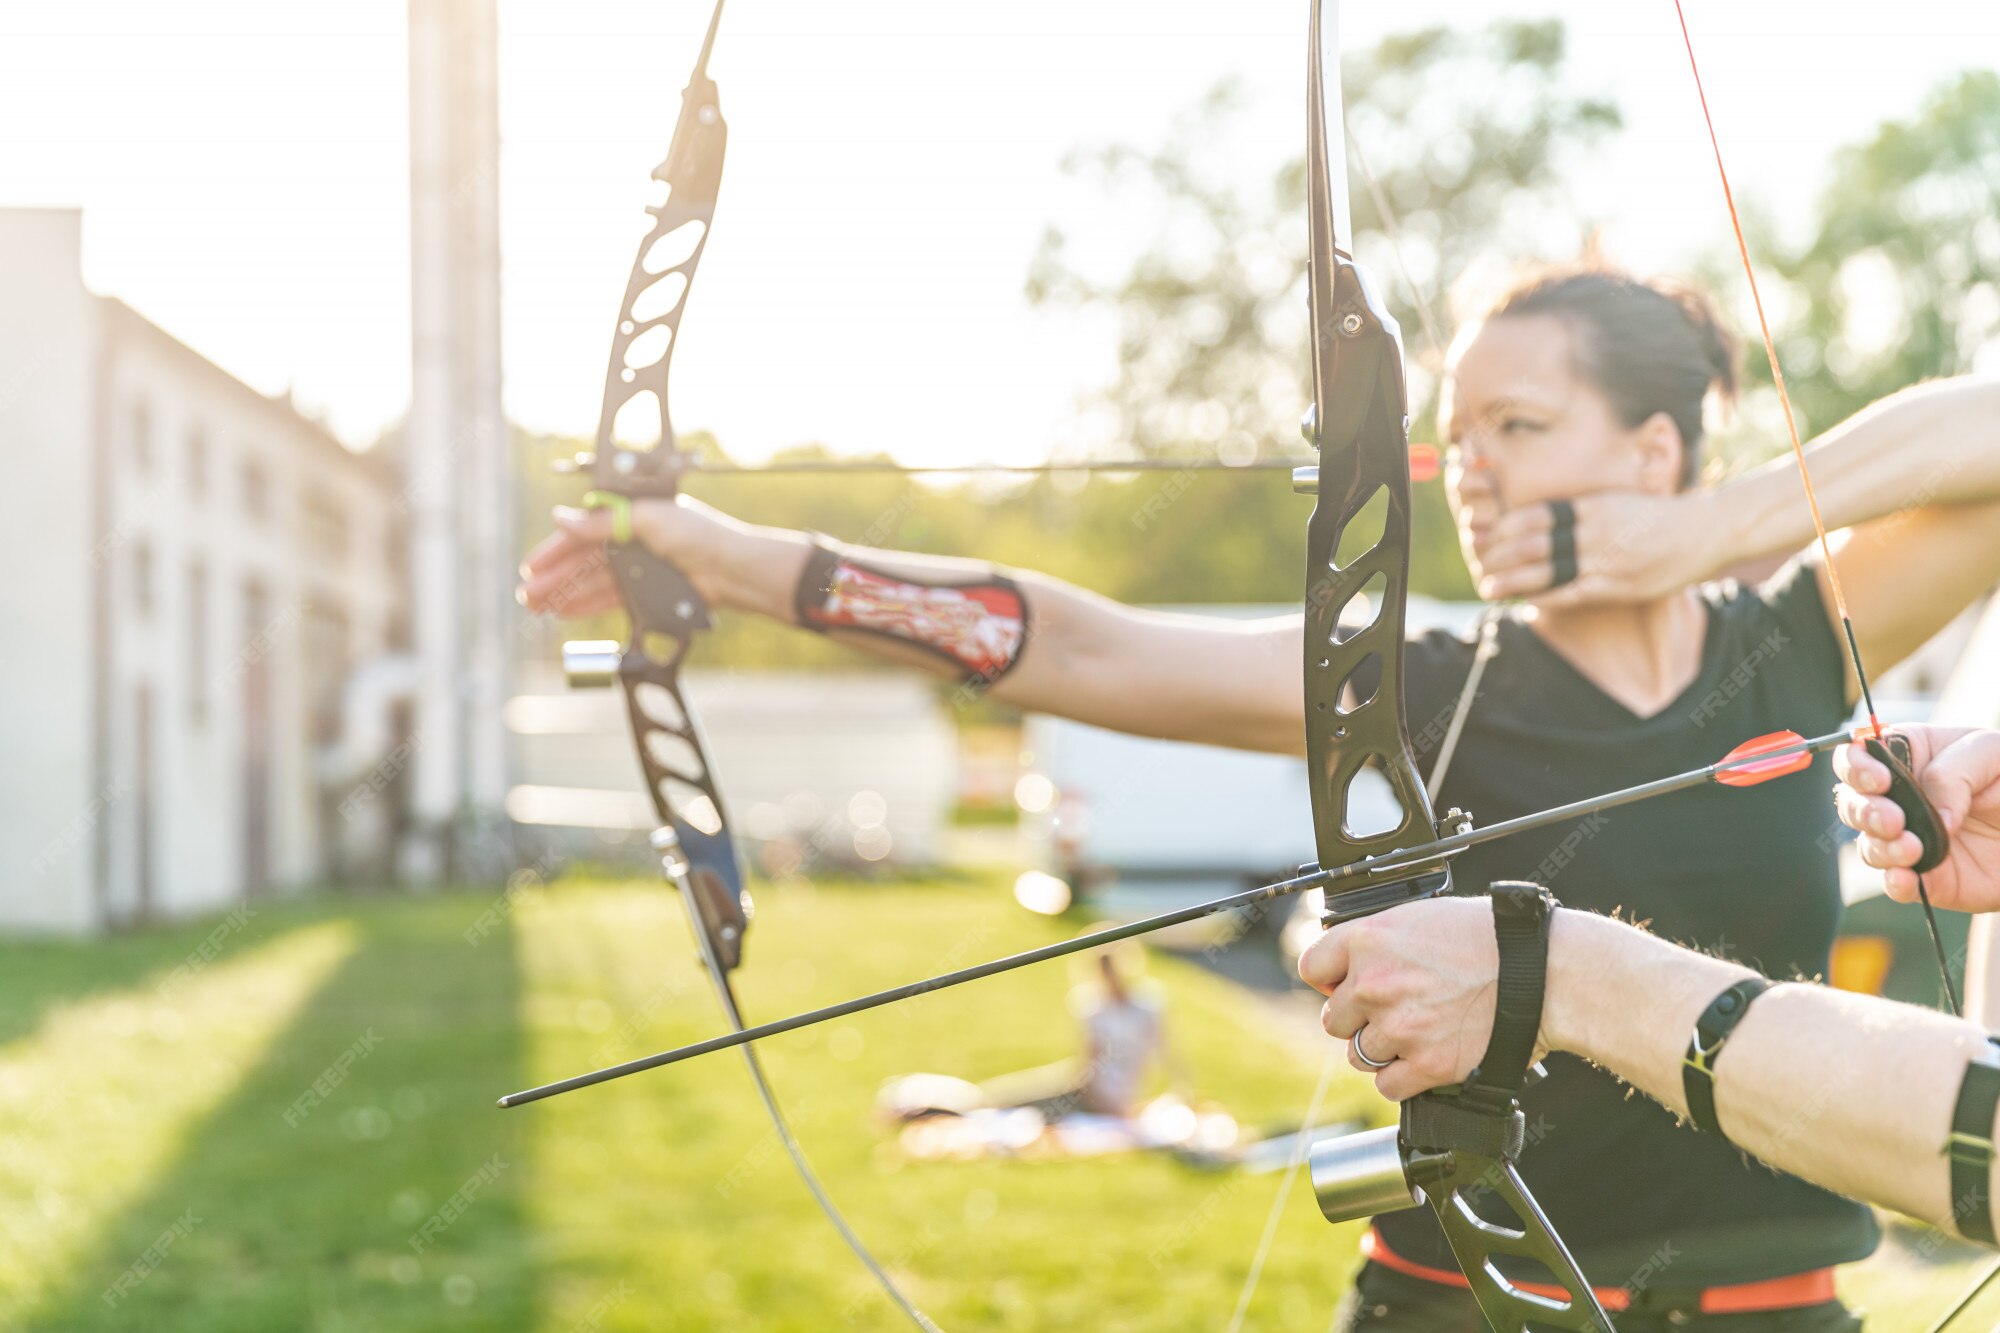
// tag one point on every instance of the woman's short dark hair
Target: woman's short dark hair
(1647, 346)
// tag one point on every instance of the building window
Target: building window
(325, 639)
(197, 642)
(197, 464)
(139, 428)
(256, 492)
(325, 527)
(142, 580)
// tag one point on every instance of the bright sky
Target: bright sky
(244, 173)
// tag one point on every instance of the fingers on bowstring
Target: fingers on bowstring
(1509, 549)
(1875, 815)
(1900, 885)
(1920, 817)
(1853, 765)
(1894, 851)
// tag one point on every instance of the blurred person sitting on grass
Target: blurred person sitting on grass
(1122, 1021)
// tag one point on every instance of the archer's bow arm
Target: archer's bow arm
(1083, 656)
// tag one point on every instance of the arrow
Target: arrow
(1749, 764)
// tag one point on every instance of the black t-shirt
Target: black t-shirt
(1747, 872)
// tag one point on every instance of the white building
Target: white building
(817, 770)
(194, 570)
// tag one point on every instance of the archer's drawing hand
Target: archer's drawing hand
(1959, 769)
(730, 564)
(1630, 546)
(1421, 979)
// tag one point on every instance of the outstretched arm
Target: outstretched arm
(1852, 1092)
(1179, 677)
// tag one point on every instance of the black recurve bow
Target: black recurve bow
(1452, 1147)
(638, 457)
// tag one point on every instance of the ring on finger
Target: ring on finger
(1354, 1043)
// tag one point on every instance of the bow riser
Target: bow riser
(1354, 679)
(666, 614)
(1451, 1146)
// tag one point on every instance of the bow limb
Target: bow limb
(637, 456)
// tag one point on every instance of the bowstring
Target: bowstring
(1972, 1293)
(1301, 1148)
(725, 992)
(1805, 476)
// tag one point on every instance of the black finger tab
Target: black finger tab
(1562, 543)
(1920, 817)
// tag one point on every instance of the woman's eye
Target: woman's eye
(1519, 426)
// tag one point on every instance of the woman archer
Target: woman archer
(1574, 418)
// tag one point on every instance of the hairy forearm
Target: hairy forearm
(1937, 444)
(1852, 1092)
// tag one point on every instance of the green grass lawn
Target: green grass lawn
(286, 1122)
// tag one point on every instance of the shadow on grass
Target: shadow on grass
(360, 1176)
(38, 975)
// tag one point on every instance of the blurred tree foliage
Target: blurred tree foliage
(1465, 133)
(1900, 281)
(1456, 138)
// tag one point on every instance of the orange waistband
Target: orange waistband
(1778, 1293)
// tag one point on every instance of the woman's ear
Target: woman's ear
(1661, 451)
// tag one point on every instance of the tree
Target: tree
(1464, 134)
(1901, 280)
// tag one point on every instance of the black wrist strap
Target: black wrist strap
(815, 583)
(1970, 1147)
(1521, 914)
(1711, 1031)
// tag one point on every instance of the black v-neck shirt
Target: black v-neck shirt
(1748, 873)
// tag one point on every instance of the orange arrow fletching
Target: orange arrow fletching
(1744, 766)
(1423, 462)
